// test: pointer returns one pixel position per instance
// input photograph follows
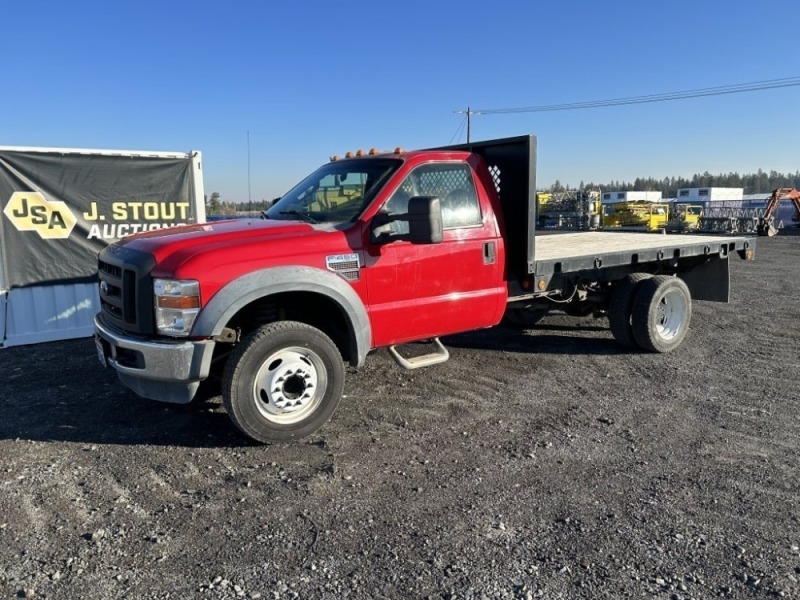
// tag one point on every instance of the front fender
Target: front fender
(246, 289)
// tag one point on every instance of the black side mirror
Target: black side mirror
(425, 220)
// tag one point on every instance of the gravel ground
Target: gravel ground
(542, 464)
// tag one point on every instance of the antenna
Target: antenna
(249, 199)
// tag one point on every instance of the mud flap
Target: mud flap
(710, 281)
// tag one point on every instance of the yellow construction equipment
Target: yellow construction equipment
(636, 216)
(684, 217)
(569, 209)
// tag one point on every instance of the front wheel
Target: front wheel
(661, 313)
(283, 382)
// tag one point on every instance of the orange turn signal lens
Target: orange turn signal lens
(179, 302)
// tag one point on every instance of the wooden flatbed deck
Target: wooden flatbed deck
(570, 252)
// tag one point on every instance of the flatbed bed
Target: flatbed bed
(590, 250)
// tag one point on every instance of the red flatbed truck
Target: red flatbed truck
(374, 251)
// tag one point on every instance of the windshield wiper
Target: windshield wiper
(303, 216)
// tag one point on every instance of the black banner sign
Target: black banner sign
(61, 208)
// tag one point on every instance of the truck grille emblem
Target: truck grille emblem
(346, 265)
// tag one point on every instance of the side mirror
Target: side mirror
(425, 220)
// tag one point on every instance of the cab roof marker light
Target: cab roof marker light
(349, 154)
(399, 150)
(334, 158)
(359, 152)
(373, 151)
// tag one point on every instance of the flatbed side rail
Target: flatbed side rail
(602, 257)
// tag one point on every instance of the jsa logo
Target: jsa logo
(31, 211)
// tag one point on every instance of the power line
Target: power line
(664, 97)
(457, 134)
(469, 112)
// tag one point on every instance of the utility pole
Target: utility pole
(469, 112)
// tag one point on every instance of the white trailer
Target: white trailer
(631, 196)
(60, 207)
(709, 194)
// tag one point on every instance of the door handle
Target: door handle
(489, 253)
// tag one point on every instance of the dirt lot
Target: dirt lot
(544, 464)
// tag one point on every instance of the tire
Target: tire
(619, 310)
(283, 382)
(661, 313)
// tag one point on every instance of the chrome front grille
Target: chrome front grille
(125, 289)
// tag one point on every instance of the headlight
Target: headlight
(177, 304)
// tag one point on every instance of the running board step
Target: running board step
(426, 360)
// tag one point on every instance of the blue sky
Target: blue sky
(312, 79)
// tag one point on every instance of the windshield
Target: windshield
(336, 192)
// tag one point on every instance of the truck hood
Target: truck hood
(202, 248)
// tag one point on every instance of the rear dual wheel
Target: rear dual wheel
(650, 312)
(661, 313)
(619, 311)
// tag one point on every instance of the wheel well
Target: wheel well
(311, 308)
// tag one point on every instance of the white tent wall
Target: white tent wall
(2, 298)
(31, 314)
(50, 312)
(3, 305)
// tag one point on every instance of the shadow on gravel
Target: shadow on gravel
(58, 391)
(542, 339)
(122, 421)
(793, 230)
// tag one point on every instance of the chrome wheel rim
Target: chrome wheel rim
(289, 385)
(670, 315)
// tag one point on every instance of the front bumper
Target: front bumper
(159, 370)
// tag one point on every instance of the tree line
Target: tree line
(215, 205)
(752, 183)
(760, 182)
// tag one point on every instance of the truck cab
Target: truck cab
(368, 251)
(413, 286)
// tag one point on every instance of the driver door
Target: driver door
(419, 291)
